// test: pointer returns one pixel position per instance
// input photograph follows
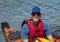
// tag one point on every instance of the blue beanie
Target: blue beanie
(36, 9)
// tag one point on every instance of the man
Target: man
(33, 28)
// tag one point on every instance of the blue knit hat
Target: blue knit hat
(35, 9)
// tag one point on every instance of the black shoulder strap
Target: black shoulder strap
(24, 22)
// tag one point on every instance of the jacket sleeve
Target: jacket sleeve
(47, 29)
(25, 31)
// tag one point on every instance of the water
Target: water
(15, 11)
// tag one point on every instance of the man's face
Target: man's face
(36, 16)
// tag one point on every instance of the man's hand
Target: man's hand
(25, 40)
(50, 38)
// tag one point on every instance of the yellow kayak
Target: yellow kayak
(42, 40)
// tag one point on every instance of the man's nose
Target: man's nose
(35, 15)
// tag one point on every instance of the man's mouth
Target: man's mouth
(36, 17)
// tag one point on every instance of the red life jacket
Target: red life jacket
(35, 31)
